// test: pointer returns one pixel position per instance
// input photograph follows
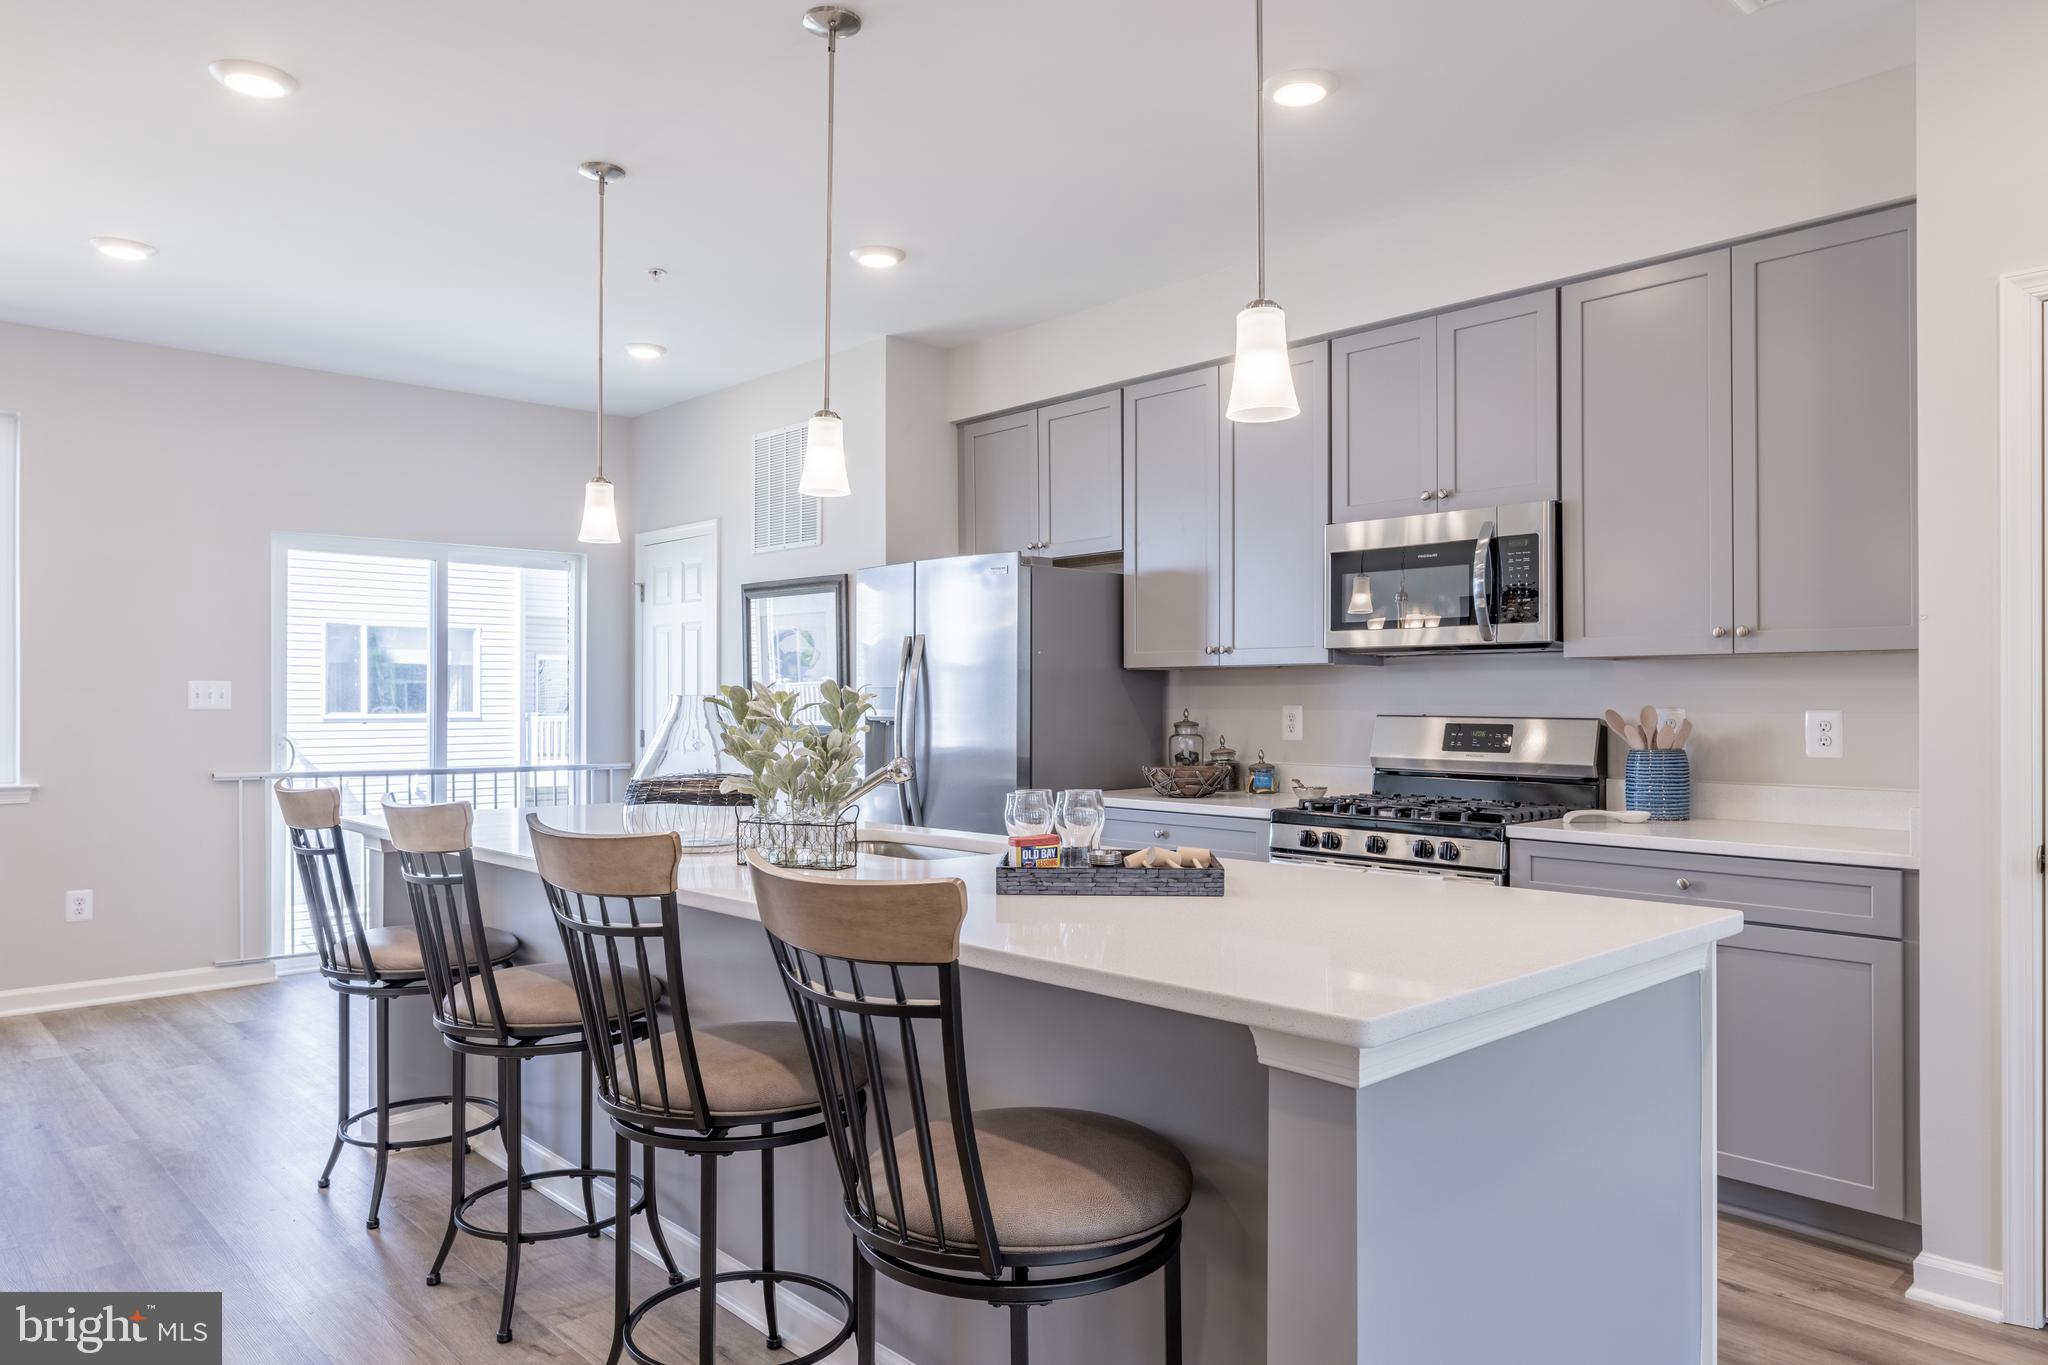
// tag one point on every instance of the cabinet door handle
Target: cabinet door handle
(1444, 492)
(1162, 834)
(1720, 632)
(1742, 632)
(1685, 884)
(1429, 495)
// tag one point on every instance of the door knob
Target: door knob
(1720, 631)
(1743, 631)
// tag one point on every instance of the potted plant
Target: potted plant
(801, 764)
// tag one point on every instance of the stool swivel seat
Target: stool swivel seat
(708, 1090)
(375, 964)
(512, 1014)
(1014, 1207)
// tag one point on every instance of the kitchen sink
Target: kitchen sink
(891, 848)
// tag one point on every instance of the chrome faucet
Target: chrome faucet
(896, 770)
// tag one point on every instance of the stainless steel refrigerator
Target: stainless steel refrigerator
(993, 672)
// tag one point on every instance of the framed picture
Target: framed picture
(793, 633)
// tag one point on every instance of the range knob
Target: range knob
(1308, 838)
(1447, 852)
(1333, 841)
(1375, 843)
(1423, 848)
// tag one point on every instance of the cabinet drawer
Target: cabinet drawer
(1811, 1085)
(1850, 900)
(1230, 836)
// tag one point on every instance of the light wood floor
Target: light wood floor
(173, 1144)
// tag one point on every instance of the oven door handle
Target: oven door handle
(1482, 583)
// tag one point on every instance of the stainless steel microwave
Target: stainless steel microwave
(1482, 578)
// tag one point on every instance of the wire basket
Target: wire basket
(811, 845)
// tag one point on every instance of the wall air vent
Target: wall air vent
(784, 519)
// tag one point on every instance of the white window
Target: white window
(10, 636)
(382, 670)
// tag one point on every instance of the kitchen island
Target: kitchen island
(1430, 1121)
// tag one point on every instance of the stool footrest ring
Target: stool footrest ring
(580, 1229)
(779, 1277)
(345, 1129)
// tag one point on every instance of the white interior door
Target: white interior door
(676, 643)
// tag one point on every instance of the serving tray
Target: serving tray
(1110, 881)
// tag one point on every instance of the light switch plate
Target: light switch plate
(210, 696)
(1290, 722)
(1823, 734)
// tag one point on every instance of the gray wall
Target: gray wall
(152, 481)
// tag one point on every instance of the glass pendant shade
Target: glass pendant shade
(824, 473)
(1262, 374)
(600, 514)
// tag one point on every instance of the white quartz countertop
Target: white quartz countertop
(1231, 803)
(1330, 954)
(1847, 845)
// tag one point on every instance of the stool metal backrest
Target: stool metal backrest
(312, 816)
(863, 961)
(439, 872)
(614, 898)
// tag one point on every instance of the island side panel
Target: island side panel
(1557, 1175)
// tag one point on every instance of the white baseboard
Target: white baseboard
(805, 1326)
(1958, 1286)
(113, 990)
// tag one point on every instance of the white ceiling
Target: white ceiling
(414, 212)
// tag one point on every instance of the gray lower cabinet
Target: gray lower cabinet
(999, 469)
(1738, 454)
(1047, 481)
(1812, 1080)
(1223, 524)
(1438, 413)
(1229, 835)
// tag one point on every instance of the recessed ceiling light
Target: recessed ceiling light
(257, 80)
(1298, 88)
(646, 350)
(878, 257)
(122, 249)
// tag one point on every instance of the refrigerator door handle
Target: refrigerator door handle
(906, 726)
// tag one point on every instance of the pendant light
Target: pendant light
(600, 510)
(824, 474)
(1262, 374)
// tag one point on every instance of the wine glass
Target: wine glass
(1079, 815)
(1028, 811)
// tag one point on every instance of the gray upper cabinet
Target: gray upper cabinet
(1383, 422)
(1647, 521)
(1824, 447)
(1047, 482)
(1496, 394)
(1274, 508)
(999, 458)
(1081, 484)
(1172, 463)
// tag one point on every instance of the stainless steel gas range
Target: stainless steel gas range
(1444, 791)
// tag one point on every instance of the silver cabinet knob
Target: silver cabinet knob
(1230, 649)
(1743, 631)
(1162, 834)
(1685, 884)
(1443, 492)
(1720, 632)
(1428, 495)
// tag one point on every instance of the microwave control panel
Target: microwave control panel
(1520, 574)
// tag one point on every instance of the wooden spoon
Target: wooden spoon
(1616, 723)
(1634, 735)
(1684, 733)
(1649, 720)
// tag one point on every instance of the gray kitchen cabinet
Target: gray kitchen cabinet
(999, 459)
(1496, 394)
(1047, 481)
(1230, 836)
(1271, 579)
(1383, 418)
(1648, 524)
(1812, 1079)
(1172, 555)
(1824, 442)
(1080, 476)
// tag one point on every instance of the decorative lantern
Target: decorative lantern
(1185, 747)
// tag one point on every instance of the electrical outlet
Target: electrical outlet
(77, 906)
(1824, 734)
(1670, 715)
(1290, 722)
(209, 696)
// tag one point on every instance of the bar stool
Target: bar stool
(379, 965)
(709, 1090)
(512, 1014)
(968, 1203)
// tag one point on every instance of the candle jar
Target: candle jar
(1185, 746)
